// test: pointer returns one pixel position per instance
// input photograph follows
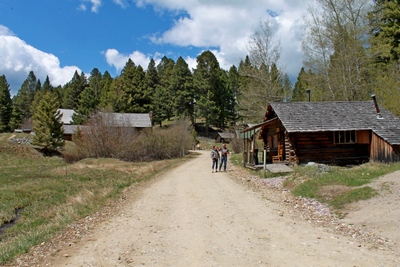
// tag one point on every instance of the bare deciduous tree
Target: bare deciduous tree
(334, 49)
(262, 78)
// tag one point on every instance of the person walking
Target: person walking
(224, 157)
(214, 157)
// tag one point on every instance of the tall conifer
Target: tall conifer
(182, 85)
(22, 109)
(47, 125)
(5, 104)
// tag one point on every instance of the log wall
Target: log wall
(381, 151)
(319, 147)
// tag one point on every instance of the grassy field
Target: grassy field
(50, 194)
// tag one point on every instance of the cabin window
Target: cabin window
(345, 137)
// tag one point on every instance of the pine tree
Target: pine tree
(48, 126)
(209, 87)
(89, 98)
(232, 95)
(106, 86)
(182, 86)
(37, 97)
(385, 22)
(116, 97)
(88, 103)
(152, 81)
(152, 78)
(72, 91)
(384, 71)
(22, 110)
(124, 86)
(159, 106)
(300, 87)
(135, 98)
(95, 82)
(163, 99)
(165, 89)
(5, 104)
(47, 87)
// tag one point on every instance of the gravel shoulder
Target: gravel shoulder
(381, 214)
(192, 217)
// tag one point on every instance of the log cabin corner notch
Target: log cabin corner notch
(339, 133)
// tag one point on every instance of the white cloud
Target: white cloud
(228, 25)
(120, 3)
(96, 4)
(192, 62)
(19, 58)
(5, 31)
(82, 7)
(118, 60)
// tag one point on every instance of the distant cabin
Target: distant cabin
(66, 119)
(66, 115)
(138, 121)
(224, 137)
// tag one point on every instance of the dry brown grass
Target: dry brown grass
(103, 139)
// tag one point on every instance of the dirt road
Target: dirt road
(192, 217)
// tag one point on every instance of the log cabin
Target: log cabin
(224, 137)
(337, 133)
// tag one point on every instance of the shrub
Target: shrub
(237, 144)
(101, 138)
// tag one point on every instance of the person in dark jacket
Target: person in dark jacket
(214, 157)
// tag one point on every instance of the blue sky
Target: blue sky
(57, 37)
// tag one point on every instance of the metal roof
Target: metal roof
(226, 135)
(66, 115)
(138, 120)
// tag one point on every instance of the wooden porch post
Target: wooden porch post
(244, 150)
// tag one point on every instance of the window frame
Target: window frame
(345, 137)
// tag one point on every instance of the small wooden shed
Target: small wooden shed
(339, 133)
(224, 137)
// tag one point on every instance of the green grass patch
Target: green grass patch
(362, 193)
(310, 182)
(236, 159)
(51, 194)
(336, 187)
